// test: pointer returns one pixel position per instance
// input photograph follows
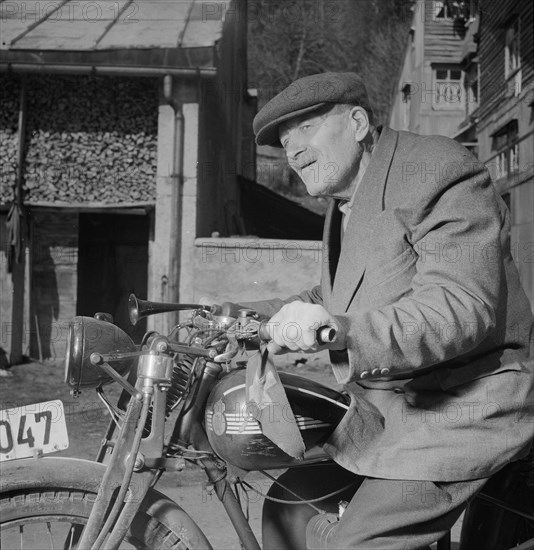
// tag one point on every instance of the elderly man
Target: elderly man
(434, 332)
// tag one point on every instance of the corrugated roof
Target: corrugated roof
(98, 25)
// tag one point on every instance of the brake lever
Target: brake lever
(231, 351)
(260, 330)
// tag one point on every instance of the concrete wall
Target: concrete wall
(245, 269)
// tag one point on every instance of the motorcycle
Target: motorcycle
(184, 401)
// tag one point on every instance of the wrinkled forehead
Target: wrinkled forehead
(287, 125)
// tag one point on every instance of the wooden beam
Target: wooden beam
(19, 265)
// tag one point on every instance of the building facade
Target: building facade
(128, 165)
(468, 74)
(429, 99)
(122, 135)
(504, 118)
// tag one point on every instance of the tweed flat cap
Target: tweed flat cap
(305, 95)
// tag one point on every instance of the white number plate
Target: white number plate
(33, 429)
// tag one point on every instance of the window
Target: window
(442, 10)
(505, 144)
(447, 91)
(471, 96)
(512, 55)
(471, 146)
(458, 10)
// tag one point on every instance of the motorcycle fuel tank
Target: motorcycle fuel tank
(237, 437)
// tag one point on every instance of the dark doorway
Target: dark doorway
(112, 263)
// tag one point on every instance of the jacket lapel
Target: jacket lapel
(331, 250)
(358, 243)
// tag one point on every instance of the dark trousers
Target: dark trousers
(383, 514)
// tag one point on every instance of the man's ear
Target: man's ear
(360, 120)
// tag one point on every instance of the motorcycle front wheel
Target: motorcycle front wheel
(46, 502)
(54, 518)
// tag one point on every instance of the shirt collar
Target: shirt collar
(345, 206)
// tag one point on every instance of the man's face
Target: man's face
(324, 151)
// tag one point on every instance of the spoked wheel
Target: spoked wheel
(54, 518)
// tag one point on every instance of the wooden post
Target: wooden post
(18, 271)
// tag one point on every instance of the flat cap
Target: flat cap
(305, 95)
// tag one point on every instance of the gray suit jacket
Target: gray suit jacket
(439, 362)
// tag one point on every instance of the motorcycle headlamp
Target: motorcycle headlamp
(87, 335)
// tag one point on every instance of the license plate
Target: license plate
(33, 430)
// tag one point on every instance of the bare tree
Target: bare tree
(289, 39)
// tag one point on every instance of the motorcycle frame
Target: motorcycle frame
(137, 462)
(188, 428)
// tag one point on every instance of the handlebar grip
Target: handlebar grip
(323, 335)
(326, 335)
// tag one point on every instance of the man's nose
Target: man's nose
(294, 149)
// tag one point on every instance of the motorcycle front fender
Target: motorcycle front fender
(86, 475)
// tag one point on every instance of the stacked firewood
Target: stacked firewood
(8, 137)
(90, 139)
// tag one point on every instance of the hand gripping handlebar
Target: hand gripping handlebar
(323, 335)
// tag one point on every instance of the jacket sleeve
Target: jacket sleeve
(455, 227)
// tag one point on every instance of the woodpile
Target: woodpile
(8, 137)
(90, 139)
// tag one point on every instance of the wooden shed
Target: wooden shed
(124, 127)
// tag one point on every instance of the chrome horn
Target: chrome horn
(137, 309)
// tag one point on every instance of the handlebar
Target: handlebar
(323, 335)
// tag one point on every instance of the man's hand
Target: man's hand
(294, 328)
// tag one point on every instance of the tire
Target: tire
(44, 503)
(42, 517)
